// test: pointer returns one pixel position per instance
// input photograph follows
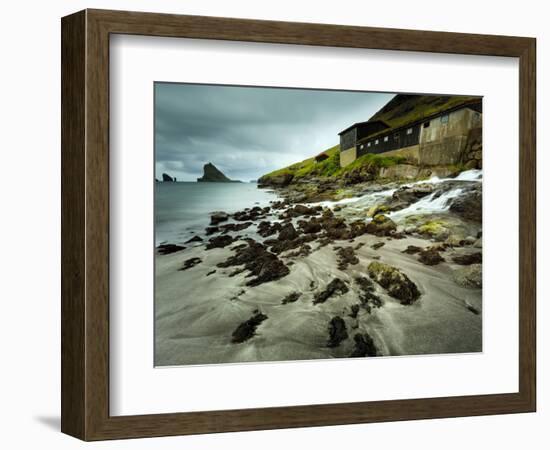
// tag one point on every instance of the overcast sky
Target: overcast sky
(248, 131)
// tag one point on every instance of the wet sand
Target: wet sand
(196, 313)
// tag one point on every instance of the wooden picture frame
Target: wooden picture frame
(85, 224)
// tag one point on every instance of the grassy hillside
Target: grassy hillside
(400, 110)
(403, 109)
(330, 167)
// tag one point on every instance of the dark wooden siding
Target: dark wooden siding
(369, 128)
(348, 139)
(395, 140)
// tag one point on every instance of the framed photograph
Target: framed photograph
(273, 225)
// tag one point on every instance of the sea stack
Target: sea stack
(212, 174)
(167, 178)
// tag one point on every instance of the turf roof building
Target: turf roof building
(428, 130)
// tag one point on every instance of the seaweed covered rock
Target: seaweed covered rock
(166, 249)
(337, 331)
(247, 329)
(217, 217)
(397, 284)
(468, 259)
(336, 286)
(469, 276)
(381, 225)
(291, 298)
(346, 257)
(219, 242)
(264, 266)
(430, 257)
(364, 346)
(191, 262)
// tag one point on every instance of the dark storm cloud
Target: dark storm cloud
(247, 132)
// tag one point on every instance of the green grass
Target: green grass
(330, 167)
(371, 161)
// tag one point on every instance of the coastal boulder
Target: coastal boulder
(364, 346)
(218, 217)
(337, 331)
(469, 276)
(381, 225)
(394, 281)
(430, 257)
(469, 205)
(264, 266)
(336, 286)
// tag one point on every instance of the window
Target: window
(396, 136)
(368, 144)
(376, 142)
(409, 131)
(386, 138)
(426, 124)
(445, 118)
(361, 147)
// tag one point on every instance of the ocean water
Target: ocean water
(182, 210)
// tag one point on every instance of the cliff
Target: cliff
(213, 175)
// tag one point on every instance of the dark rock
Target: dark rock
(336, 286)
(467, 259)
(167, 178)
(304, 250)
(354, 310)
(291, 298)
(411, 194)
(194, 239)
(217, 217)
(212, 174)
(211, 273)
(191, 262)
(381, 225)
(472, 309)
(166, 249)
(337, 331)
(469, 276)
(302, 210)
(247, 329)
(261, 264)
(279, 180)
(430, 257)
(364, 346)
(367, 297)
(377, 245)
(249, 214)
(212, 230)
(219, 241)
(412, 249)
(394, 281)
(346, 257)
(266, 228)
(469, 205)
(288, 232)
(235, 226)
(310, 226)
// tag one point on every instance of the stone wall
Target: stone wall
(473, 153)
(348, 156)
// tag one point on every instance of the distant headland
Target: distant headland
(213, 175)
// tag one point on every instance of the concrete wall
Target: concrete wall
(445, 142)
(348, 156)
(440, 143)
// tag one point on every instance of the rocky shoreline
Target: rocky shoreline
(328, 271)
